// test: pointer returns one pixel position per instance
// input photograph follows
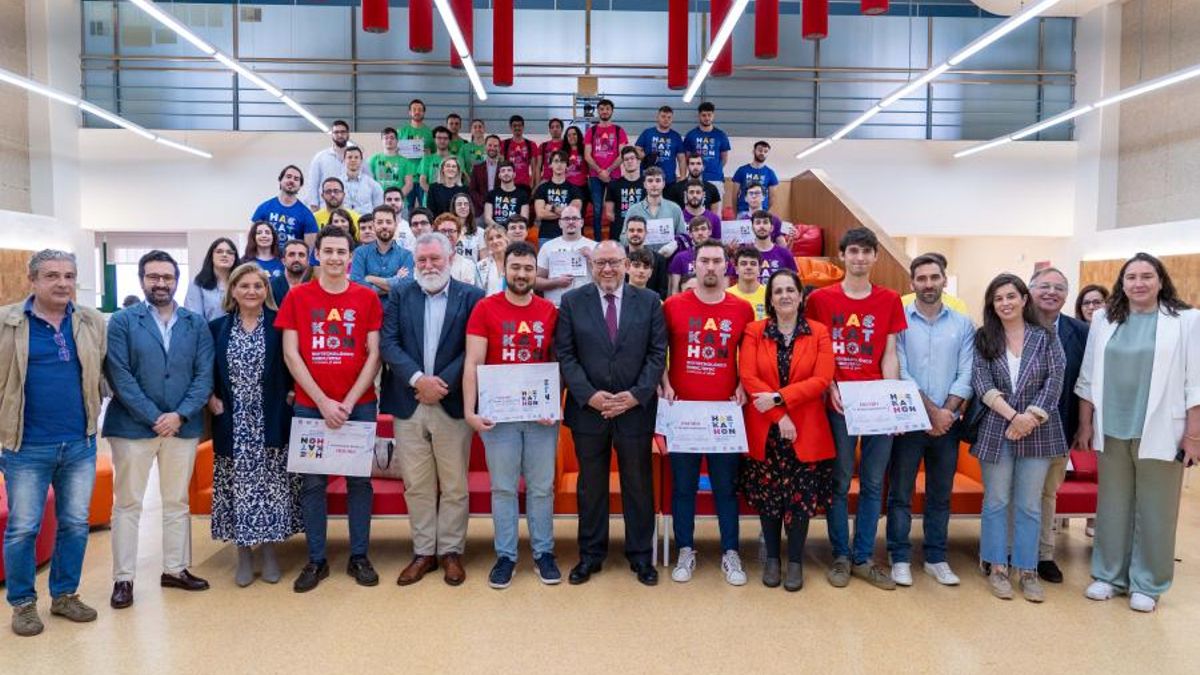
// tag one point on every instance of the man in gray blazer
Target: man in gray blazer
(611, 341)
(423, 343)
(159, 363)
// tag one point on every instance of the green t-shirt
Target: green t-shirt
(412, 167)
(388, 170)
(472, 154)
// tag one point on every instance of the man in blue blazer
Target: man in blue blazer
(611, 341)
(159, 363)
(423, 343)
(1048, 291)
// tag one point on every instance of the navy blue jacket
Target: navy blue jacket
(276, 383)
(147, 381)
(402, 345)
(1072, 335)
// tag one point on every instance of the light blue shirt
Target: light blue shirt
(368, 261)
(937, 354)
(435, 318)
(164, 329)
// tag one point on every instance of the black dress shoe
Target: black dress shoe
(122, 595)
(646, 574)
(582, 572)
(360, 568)
(310, 576)
(184, 580)
(1049, 571)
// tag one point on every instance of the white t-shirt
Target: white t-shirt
(559, 251)
(470, 246)
(1014, 368)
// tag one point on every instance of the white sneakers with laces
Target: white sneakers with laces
(731, 565)
(902, 574)
(1100, 590)
(942, 573)
(684, 566)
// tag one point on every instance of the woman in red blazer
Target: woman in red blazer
(786, 365)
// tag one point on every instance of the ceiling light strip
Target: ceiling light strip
(715, 47)
(459, 45)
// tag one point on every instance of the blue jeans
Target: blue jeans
(1015, 481)
(685, 483)
(513, 450)
(416, 197)
(359, 495)
(941, 461)
(71, 469)
(876, 450)
(596, 188)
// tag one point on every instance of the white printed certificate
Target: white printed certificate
(737, 232)
(660, 231)
(346, 451)
(883, 407)
(567, 264)
(520, 392)
(702, 426)
(411, 148)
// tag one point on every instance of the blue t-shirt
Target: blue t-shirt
(746, 175)
(54, 407)
(710, 145)
(273, 267)
(665, 146)
(291, 222)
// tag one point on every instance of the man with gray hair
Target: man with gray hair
(51, 356)
(423, 343)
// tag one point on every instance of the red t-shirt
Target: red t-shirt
(521, 155)
(546, 149)
(859, 328)
(606, 143)
(704, 340)
(515, 334)
(332, 331)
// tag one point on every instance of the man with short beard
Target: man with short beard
(676, 192)
(693, 205)
(374, 265)
(333, 193)
(515, 327)
(774, 256)
(635, 235)
(295, 269)
(290, 218)
(329, 162)
(394, 198)
(571, 244)
(363, 193)
(754, 197)
(485, 174)
(411, 166)
(422, 390)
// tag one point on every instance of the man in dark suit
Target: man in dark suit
(483, 175)
(611, 341)
(1048, 290)
(423, 342)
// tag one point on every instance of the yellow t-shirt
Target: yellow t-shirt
(757, 299)
(950, 301)
(322, 217)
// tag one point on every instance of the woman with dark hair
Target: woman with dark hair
(1018, 377)
(1139, 391)
(470, 243)
(1091, 298)
(262, 248)
(577, 169)
(344, 219)
(206, 295)
(786, 364)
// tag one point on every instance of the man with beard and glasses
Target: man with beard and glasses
(331, 347)
(160, 366)
(375, 264)
(572, 247)
(611, 340)
(515, 327)
(704, 327)
(290, 218)
(333, 193)
(328, 163)
(423, 343)
(295, 270)
(695, 171)
(635, 236)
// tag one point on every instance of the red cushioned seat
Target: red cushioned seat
(1077, 496)
(387, 501)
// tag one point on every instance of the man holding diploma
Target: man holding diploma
(704, 327)
(612, 343)
(512, 328)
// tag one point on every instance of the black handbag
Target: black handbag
(973, 419)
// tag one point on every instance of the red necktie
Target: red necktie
(610, 317)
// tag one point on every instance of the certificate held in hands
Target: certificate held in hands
(702, 426)
(345, 451)
(522, 392)
(883, 407)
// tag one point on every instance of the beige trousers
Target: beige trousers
(132, 459)
(434, 449)
(1054, 480)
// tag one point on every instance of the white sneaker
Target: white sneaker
(731, 565)
(1090, 529)
(1140, 602)
(1100, 590)
(685, 565)
(942, 572)
(902, 573)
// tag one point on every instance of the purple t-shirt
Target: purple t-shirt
(775, 259)
(714, 222)
(776, 224)
(683, 263)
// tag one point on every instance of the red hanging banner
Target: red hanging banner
(873, 6)
(723, 66)
(464, 13)
(420, 25)
(814, 19)
(502, 43)
(677, 44)
(375, 16)
(766, 29)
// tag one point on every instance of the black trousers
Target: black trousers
(594, 452)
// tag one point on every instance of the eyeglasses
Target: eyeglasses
(608, 263)
(1050, 287)
(159, 278)
(64, 354)
(1092, 303)
(570, 219)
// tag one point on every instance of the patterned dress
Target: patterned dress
(255, 499)
(782, 486)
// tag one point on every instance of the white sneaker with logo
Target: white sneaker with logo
(902, 573)
(731, 565)
(684, 566)
(942, 572)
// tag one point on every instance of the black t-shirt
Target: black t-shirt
(506, 204)
(659, 276)
(677, 192)
(438, 199)
(553, 193)
(623, 194)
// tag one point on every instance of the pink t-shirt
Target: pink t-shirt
(606, 143)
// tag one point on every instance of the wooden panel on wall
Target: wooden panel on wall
(14, 275)
(1184, 271)
(814, 200)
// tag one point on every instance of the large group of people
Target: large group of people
(384, 290)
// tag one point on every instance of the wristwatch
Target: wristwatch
(777, 398)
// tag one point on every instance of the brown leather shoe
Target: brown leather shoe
(122, 595)
(455, 574)
(417, 569)
(184, 580)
